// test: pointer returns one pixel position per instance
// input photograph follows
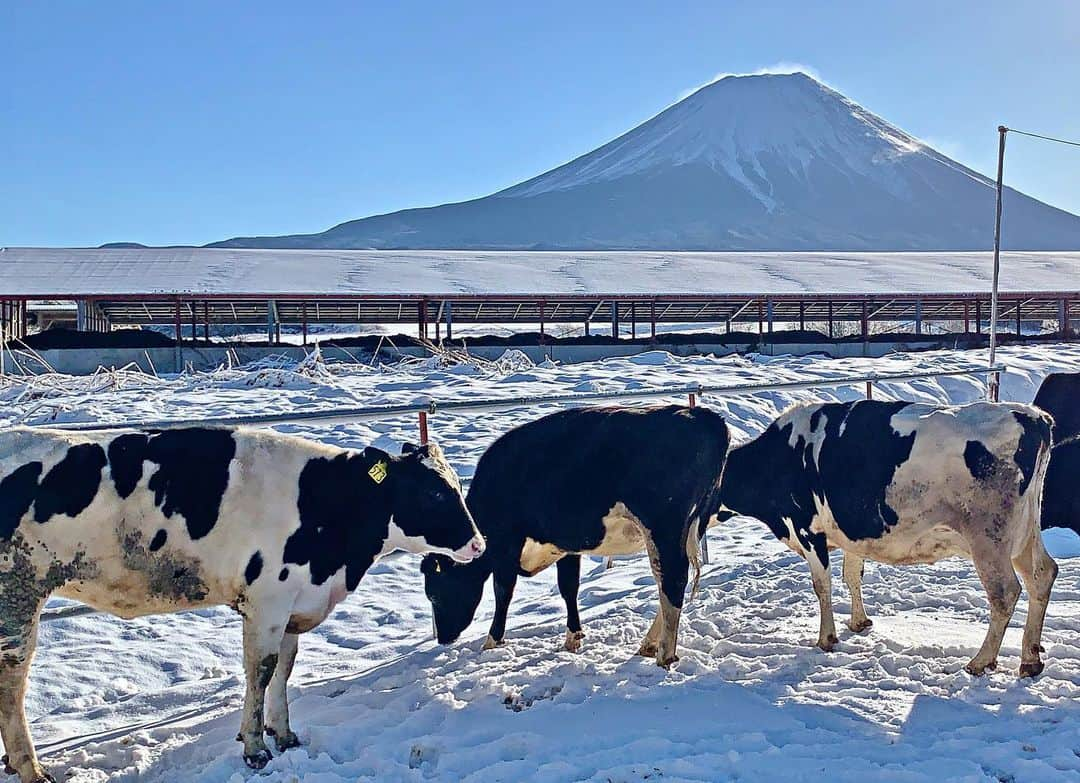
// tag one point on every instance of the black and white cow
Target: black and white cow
(600, 481)
(140, 523)
(900, 483)
(1059, 395)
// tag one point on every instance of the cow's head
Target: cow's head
(454, 591)
(429, 512)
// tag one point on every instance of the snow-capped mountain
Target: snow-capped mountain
(766, 162)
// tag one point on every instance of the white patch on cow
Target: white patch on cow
(623, 535)
(535, 556)
(800, 426)
(437, 462)
(397, 539)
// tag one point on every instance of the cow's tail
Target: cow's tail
(695, 531)
(1033, 498)
(693, 554)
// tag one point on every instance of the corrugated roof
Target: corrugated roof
(72, 272)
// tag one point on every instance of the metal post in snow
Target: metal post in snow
(423, 428)
(178, 350)
(693, 400)
(652, 319)
(869, 390)
(449, 311)
(995, 381)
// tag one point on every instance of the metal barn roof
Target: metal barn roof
(167, 285)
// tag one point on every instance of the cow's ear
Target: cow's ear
(408, 448)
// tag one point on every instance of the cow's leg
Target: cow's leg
(1038, 570)
(277, 702)
(569, 569)
(1002, 591)
(263, 637)
(504, 579)
(16, 654)
(853, 572)
(671, 569)
(818, 559)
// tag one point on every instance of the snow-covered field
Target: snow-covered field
(751, 698)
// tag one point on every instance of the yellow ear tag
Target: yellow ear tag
(378, 472)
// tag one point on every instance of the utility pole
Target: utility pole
(995, 379)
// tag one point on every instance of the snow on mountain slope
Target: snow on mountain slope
(157, 699)
(764, 162)
(739, 126)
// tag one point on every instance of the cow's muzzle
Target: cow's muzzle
(470, 551)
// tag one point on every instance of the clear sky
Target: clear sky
(188, 122)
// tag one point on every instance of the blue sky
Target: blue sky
(195, 121)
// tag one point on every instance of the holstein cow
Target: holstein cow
(899, 483)
(598, 481)
(139, 523)
(1059, 395)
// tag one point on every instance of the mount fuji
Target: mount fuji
(764, 162)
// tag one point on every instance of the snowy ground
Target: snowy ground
(751, 699)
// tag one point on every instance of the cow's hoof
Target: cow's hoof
(8, 769)
(828, 642)
(46, 778)
(665, 663)
(284, 741)
(861, 625)
(978, 670)
(1032, 669)
(491, 644)
(573, 641)
(647, 650)
(258, 759)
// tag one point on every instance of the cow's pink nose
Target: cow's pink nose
(477, 547)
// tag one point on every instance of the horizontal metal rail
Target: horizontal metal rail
(496, 404)
(693, 393)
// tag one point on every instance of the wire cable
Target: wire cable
(1047, 138)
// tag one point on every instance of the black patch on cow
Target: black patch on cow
(283, 574)
(980, 462)
(344, 516)
(70, 486)
(17, 492)
(815, 417)
(191, 476)
(1059, 395)
(254, 568)
(1035, 437)
(1061, 498)
(158, 540)
(859, 458)
(126, 455)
